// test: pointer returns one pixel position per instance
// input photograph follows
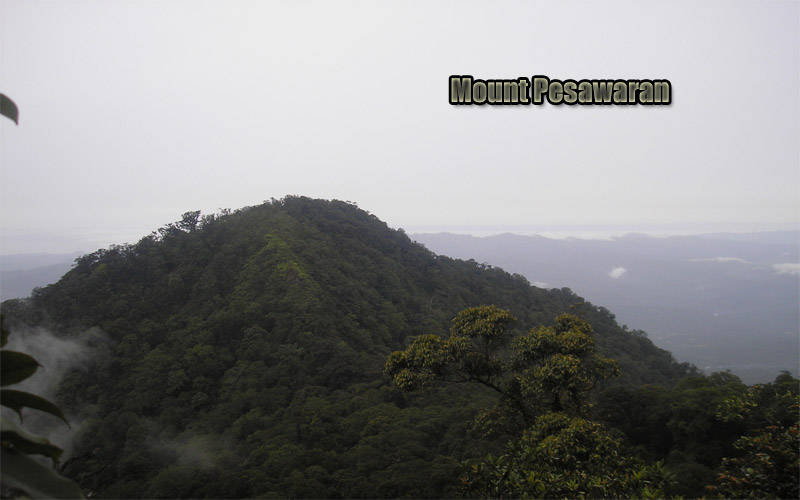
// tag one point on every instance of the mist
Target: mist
(57, 356)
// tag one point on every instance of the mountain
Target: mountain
(240, 355)
(720, 301)
(28, 261)
(21, 273)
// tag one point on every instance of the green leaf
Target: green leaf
(17, 400)
(20, 439)
(9, 109)
(16, 367)
(3, 331)
(35, 479)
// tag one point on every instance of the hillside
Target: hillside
(241, 355)
(719, 301)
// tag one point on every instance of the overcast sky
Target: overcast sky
(132, 113)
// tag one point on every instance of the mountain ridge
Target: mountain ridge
(259, 336)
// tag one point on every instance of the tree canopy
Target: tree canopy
(550, 368)
(241, 354)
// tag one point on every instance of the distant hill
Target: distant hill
(720, 301)
(240, 355)
(21, 273)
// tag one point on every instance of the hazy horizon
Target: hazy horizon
(132, 113)
(584, 232)
(55, 246)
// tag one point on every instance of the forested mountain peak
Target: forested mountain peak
(299, 265)
(257, 339)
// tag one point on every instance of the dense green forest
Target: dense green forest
(244, 354)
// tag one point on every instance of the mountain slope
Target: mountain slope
(243, 352)
(719, 301)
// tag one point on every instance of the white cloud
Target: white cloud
(791, 268)
(617, 272)
(720, 259)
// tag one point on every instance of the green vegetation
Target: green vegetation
(243, 356)
(544, 379)
(565, 457)
(21, 473)
(548, 369)
(9, 109)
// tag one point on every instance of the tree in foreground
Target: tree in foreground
(767, 463)
(565, 457)
(549, 369)
(544, 379)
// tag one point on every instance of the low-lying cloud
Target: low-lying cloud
(617, 272)
(720, 260)
(790, 268)
(57, 356)
(196, 451)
